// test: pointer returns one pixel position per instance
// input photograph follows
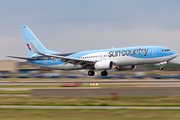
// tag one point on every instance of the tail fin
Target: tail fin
(30, 37)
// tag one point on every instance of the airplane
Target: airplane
(106, 59)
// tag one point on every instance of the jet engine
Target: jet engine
(121, 68)
(103, 65)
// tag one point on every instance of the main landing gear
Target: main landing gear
(104, 73)
(92, 73)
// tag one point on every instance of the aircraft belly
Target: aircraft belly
(118, 61)
(64, 67)
(127, 60)
(68, 67)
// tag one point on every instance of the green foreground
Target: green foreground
(90, 101)
(21, 114)
(15, 92)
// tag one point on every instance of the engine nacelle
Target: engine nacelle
(121, 68)
(103, 65)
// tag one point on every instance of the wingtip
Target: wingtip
(8, 56)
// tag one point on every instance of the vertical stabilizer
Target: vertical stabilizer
(28, 37)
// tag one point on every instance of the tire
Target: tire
(91, 73)
(104, 73)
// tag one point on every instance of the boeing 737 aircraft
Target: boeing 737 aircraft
(106, 59)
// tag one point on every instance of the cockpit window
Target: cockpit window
(166, 50)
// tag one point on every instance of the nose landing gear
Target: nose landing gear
(161, 68)
(162, 63)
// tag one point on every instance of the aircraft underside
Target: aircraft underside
(118, 64)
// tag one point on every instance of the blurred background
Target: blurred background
(72, 26)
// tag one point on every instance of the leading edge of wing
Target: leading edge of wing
(63, 59)
(21, 58)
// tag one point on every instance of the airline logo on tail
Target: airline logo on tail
(28, 47)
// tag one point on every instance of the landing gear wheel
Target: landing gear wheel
(161, 68)
(91, 73)
(104, 73)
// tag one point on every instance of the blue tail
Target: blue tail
(30, 37)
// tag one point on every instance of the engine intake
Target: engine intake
(104, 65)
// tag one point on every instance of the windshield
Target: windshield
(164, 50)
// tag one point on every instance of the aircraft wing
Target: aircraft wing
(75, 61)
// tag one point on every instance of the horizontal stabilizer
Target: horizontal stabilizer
(22, 58)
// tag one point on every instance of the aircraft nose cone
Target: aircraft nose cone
(174, 54)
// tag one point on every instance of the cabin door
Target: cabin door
(46, 60)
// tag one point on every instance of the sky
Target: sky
(80, 25)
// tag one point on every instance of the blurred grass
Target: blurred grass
(15, 92)
(91, 101)
(26, 86)
(22, 114)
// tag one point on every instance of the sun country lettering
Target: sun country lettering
(128, 52)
